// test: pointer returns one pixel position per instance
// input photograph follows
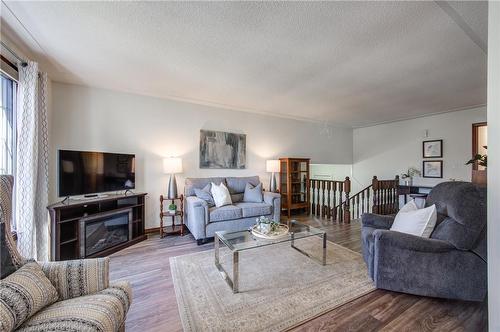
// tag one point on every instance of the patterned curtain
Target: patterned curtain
(31, 182)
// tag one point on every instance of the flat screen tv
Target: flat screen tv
(86, 172)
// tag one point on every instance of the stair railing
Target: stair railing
(330, 199)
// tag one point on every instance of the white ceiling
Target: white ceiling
(348, 63)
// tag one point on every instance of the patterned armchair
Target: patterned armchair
(87, 301)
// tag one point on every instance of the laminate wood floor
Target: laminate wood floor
(154, 307)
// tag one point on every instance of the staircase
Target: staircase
(332, 199)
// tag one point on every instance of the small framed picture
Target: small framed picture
(432, 168)
(432, 149)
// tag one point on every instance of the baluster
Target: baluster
(368, 201)
(341, 208)
(347, 189)
(328, 207)
(375, 194)
(323, 212)
(363, 202)
(313, 196)
(334, 212)
(357, 206)
(318, 198)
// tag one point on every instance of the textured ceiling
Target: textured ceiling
(348, 63)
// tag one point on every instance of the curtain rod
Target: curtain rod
(23, 62)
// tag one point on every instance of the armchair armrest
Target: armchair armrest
(377, 220)
(78, 277)
(275, 200)
(399, 240)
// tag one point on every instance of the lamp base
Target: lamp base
(272, 183)
(172, 187)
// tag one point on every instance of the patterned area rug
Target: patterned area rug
(279, 287)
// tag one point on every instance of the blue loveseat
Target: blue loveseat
(203, 221)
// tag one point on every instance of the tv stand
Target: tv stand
(66, 216)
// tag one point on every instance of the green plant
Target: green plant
(273, 225)
(481, 159)
(411, 172)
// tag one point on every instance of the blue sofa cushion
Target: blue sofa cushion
(205, 195)
(226, 212)
(255, 209)
(236, 185)
(253, 194)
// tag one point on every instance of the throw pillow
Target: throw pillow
(22, 294)
(419, 222)
(7, 265)
(205, 195)
(253, 194)
(410, 206)
(221, 195)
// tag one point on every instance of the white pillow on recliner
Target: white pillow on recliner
(411, 220)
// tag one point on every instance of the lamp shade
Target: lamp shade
(172, 165)
(272, 166)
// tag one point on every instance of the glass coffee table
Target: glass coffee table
(245, 240)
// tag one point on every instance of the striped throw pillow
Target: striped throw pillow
(22, 294)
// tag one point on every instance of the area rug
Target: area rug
(280, 288)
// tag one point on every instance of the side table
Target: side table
(173, 228)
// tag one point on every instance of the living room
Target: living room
(267, 122)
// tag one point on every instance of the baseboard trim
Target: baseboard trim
(152, 230)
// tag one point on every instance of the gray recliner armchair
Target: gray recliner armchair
(450, 264)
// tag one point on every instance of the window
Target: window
(8, 125)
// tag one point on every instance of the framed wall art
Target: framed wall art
(432, 168)
(432, 149)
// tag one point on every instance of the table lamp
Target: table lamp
(172, 166)
(272, 166)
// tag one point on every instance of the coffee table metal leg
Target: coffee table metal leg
(236, 273)
(232, 283)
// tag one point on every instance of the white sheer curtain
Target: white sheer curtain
(31, 182)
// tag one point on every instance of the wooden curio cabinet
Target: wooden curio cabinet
(294, 184)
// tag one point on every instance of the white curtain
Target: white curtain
(31, 182)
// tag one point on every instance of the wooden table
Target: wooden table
(172, 228)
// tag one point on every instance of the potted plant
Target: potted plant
(267, 225)
(408, 176)
(479, 176)
(172, 208)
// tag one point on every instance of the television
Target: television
(87, 172)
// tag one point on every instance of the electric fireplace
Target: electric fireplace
(103, 231)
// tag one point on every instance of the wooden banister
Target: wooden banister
(380, 197)
(330, 199)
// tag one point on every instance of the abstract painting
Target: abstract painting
(222, 150)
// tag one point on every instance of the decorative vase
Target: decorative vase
(265, 228)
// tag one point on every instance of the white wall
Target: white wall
(152, 128)
(493, 166)
(389, 149)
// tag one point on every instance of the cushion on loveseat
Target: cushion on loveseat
(103, 311)
(236, 185)
(255, 209)
(223, 213)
